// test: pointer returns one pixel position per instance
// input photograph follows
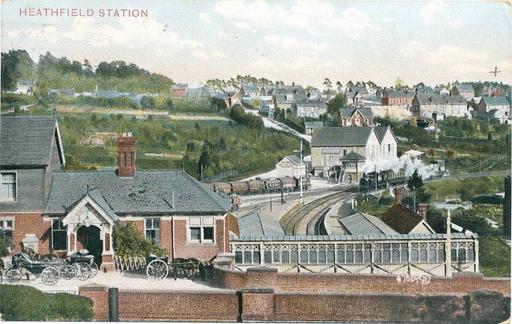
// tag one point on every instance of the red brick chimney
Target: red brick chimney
(422, 210)
(398, 195)
(126, 155)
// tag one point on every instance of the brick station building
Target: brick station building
(50, 210)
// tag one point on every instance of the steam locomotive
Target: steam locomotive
(381, 180)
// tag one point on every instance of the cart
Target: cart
(158, 268)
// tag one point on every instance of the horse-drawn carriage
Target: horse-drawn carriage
(49, 268)
(159, 268)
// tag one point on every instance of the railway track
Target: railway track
(298, 222)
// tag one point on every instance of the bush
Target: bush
(238, 114)
(4, 245)
(23, 303)
(63, 307)
(494, 257)
(130, 242)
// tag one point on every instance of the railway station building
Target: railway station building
(49, 210)
(341, 152)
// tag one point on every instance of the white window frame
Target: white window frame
(15, 186)
(201, 223)
(153, 229)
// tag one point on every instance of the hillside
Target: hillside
(51, 72)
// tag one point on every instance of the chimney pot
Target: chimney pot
(126, 155)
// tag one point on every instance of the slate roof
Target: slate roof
(361, 223)
(98, 198)
(250, 224)
(400, 94)
(381, 131)
(464, 87)
(366, 112)
(437, 99)
(317, 124)
(353, 156)
(148, 192)
(310, 103)
(294, 158)
(26, 140)
(401, 218)
(495, 101)
(357, 89)
(341, 136)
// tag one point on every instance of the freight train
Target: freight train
(258, 186)
(381, 180)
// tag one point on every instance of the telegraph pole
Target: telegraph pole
(448, 246)
(301, 198)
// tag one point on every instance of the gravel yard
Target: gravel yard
(122, 280)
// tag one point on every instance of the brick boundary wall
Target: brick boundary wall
(178, 305)
(254, 277)
(265, 304)
(99, 297)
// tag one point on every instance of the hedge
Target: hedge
(24, 303)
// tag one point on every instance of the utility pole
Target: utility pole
(301, 162)
(448, 246)
(414, 198)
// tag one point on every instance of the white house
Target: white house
(311, 108)
(342, 151)
(291, 166)
(437, 107)
(24, 87)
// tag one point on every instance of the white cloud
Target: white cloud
(452, 60)
(412, 50)
(204, 18)
(47, 32)
(200, 54)
(314, 17)
(294, 43)
(432, 9)
(219, 54)
(437, 12)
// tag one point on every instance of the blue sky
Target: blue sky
(300, 41)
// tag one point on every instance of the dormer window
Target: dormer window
(8, 186)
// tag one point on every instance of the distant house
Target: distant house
(179, 90)
(397, 97)
(356, 117)
(311, 126)
(342, 151)
(496, 109)
(437, 107)
(465, 90)
(250, 91)
(25, 87)
(267, 91)
(234, 98)
(61, 92)
(356, 94)
(109, 94)
(197, 94)
(286, 96)
(291, 166)
(405, 221)
(311, 108)
(313, 94)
